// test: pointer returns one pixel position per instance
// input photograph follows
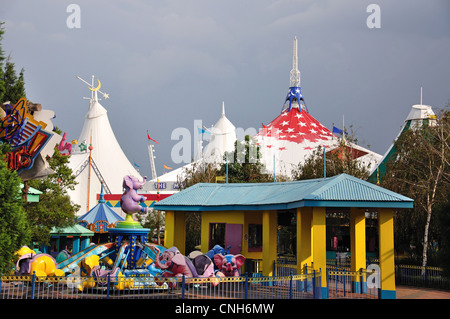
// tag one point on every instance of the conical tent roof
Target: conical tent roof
(100, 214)
(98, 146)
(290, 138)
(223, 138)
(295, 134)
(418, 115)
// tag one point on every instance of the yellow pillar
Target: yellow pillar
(319, 249)
(358, 246)
(269, 224)
(304, 216)
(386, 253)
(175, 230)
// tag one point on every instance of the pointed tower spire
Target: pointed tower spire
(294, 98)
(102, 195)
(223, 108)
(295, 73)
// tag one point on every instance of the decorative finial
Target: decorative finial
(295, 73)
(94, 89)
(102, 195)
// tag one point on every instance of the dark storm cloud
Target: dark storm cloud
(168, 63)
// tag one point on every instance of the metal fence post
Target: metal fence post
(33, 280)
(246, 286)
(182, 287)
(314, 284)
(108, 285)
(290, 286)
(328, 282)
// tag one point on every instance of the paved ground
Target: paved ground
(404, 292)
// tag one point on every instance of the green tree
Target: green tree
(420, 170)
(338, 161)
(154, 221)
(443, 217)
(54, 208)
(14, 85)
(244, 164)
(2, 58)
(14, 231)
(198, 172)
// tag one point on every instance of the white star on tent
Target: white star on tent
(290, 130)
(285, 123)
(302, 124)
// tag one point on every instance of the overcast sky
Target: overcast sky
(165, 64)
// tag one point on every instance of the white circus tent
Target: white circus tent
(222, 137)
(295, 134)
(97, 157)
(418, 116)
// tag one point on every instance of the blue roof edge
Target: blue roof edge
(310, 200)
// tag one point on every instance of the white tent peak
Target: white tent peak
(223, 137)
(108, 164)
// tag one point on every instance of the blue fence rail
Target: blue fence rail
(243, 287)
(341, 280)
(419, 276)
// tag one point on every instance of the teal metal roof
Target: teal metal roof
(75, 230)
(337, 191)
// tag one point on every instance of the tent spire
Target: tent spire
(294, 98)
(295, 73)
(102, 195)
(94, 90)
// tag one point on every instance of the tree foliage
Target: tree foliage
(244, 164)
(54, 208)
(420, 170)
(14, 231)
(12, 87)
(339, 160)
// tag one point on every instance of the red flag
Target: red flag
(151, 138)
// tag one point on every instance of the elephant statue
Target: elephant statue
(129, 202)
(229, 265)
(174, 264)
(41, 264)
(217, 249)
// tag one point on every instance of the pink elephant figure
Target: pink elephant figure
(129, 202)
(173, 263)
(228, 265)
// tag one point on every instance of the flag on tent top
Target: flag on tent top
(336, 130)
(167, 167)
(202, 131)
